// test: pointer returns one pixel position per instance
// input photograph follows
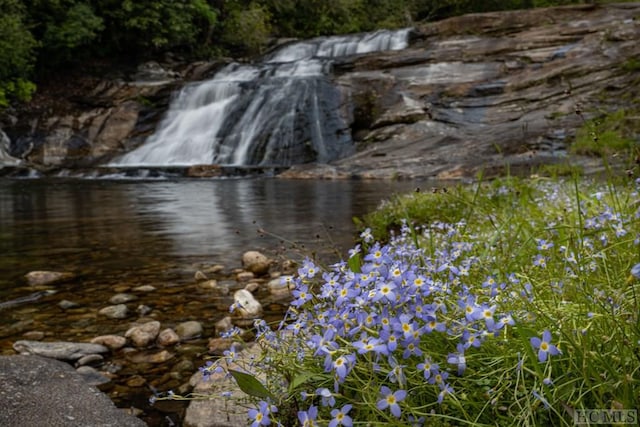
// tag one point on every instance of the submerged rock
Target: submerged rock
(41, 278)
(256, 262)
(143, 335)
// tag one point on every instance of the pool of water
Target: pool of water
(116, 235)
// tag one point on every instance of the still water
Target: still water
(146, 231)
(116, 235)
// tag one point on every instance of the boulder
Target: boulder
(38, 391)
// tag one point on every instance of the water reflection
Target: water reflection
(114, 230)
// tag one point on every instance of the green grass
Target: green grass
(612, 134)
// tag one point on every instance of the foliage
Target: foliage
(137, 26)
(17, 46)
(248, 28)
(521, 311)
(616, 133)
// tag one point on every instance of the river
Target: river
(118, 234)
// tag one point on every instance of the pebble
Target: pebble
(168, 337)
(256, 262)
(92, 376)
(252, 287)
(209, 284)
(144, 288)
(223, 325)
(155, 358)
(119, 311)
(113, 342)
(122, 298)
(40, 278)
(143, 335)
(189, 330)
(200, 276)
(66, 304)
(244, 276)
(90, 359)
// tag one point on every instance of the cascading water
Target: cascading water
(277, 113)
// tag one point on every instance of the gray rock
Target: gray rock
(92, 376)
(122, 298)
(119, 311)
(59, 349)
(66, 304)
(189, 330)
(43, 392)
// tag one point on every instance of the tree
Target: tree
(17, 57)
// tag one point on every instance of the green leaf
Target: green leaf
(302, 378)
(250, 385)
(355, 262)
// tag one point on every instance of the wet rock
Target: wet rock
(143, 335)
(136, 381)
(252, 287)
(59, 349)
(113, 342)
(154, 358)
(247, 307)
(217, 346)
(223, 325)
(33, 335)
(144, 288)
(41, 278)
(281, 285)
(209, 284)
(200, 276)
(122, 298)
(92, 376)
(168, 337)
(119, 311)
(244, 276)
(143, 310)
(256, 262)
(189, 330)
(66, 304)
(90, 359)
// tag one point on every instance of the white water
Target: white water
(252, 114)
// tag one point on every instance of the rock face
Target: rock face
(42, 392)
(475, 92)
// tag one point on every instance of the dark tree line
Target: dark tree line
(38, 36)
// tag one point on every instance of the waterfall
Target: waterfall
(282, 111)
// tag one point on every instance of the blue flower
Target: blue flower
(260, 416)
(390, 400)
(308, 418)
(458, 359)
(635, 271)
(340, 417)
(544, 346)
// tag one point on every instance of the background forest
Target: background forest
(38, 37)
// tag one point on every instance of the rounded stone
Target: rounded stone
(143, 335)
(256, 262)
(40, 278)
(168, 337)
(112, 342)
(119, 311)
(189, 330)
(122, 298)
(246, 305)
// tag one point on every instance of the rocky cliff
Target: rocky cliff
(477, 92)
